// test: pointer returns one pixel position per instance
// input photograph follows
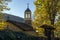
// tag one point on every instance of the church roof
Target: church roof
(13, 18)
(21, 25)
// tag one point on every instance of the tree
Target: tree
(45, 13)
(3, 6)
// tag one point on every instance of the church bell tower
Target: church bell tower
(27, 15)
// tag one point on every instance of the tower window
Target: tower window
(28, 15)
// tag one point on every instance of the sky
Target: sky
(17, 7)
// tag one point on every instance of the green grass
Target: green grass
(12, 35)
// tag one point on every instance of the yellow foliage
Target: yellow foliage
(3, 6)
(3, 25)
(42, 11)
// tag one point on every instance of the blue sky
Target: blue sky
(19, 6)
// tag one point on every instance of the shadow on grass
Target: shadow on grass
(12, 35)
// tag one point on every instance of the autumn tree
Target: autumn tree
(3, 6)
(45, 13)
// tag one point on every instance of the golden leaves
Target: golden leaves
(3, 6)
(3, 25)
(41, 14)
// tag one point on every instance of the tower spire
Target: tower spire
(27, 15)
(27, 5)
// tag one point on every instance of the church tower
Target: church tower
(27, 15)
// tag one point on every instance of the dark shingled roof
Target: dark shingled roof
(21, 25)
(13, 18)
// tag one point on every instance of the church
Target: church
(18, 24)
